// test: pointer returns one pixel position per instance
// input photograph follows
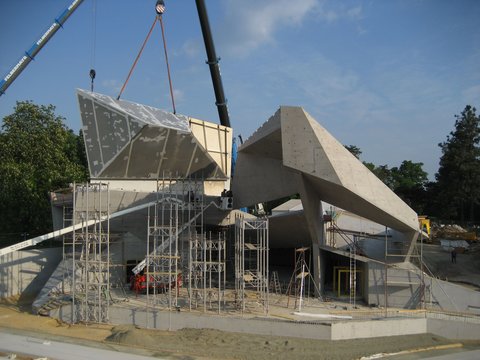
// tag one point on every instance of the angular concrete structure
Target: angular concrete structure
(293, 148)
(292, 154)
(126, 140)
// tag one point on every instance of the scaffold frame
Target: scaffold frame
(90, 254)
(251, 260)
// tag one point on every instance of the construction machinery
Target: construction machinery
(30, 54)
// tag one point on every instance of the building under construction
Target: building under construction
(164, 234)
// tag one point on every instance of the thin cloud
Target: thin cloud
(112, 85)
(250, 24)
(355, 12)
(191, 48)
(472, 94)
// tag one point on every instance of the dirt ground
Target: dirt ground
(206, 344)
(465, 271)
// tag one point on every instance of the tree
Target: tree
(409, 182)
(38, 154)
(355, 150)
(458, 176)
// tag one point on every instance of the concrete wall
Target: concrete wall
(341, 330)
(26, 272)
(165, 320)
(451, 297)
(127, 248)
(454, 329)
(403, 289)
(377, 328)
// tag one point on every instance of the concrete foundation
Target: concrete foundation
(320, 330)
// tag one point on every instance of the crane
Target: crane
(212, 59)
(37, 46)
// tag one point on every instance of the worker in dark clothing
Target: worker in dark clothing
(454, 256)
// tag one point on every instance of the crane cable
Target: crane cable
(94, 44)
(166, 61)
(160, 9)
(136, 59)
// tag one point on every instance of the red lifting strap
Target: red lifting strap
(160, 19)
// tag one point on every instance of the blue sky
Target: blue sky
(386, 76)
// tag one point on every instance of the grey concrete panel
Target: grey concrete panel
(166, 320)
(259, 179)
(269, 127)
(113, 132)
(309, 148)
(461, 330)
(92, 146)
(379, 328)
(344, 198)
(134, 126)
(302, 149)
(269, 147)
(26, 272)
(143, 113)
(453, 297)
(134, 141)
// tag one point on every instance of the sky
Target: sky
(385, 76)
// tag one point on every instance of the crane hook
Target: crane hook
(160, 7)
(92, 76)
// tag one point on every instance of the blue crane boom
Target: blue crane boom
(37, 46)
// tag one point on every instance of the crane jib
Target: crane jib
(37, 46)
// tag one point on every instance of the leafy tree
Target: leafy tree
(355, 150)
(38, 154)
(458, 176)
(409, 183)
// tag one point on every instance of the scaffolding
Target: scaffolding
(300, 280)
(251, 260)
(178, 250)
(207, 275)
(178, 210)
(90, 254)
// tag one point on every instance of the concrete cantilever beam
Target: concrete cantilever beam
(293, 154)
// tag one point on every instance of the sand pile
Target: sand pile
(132, 335)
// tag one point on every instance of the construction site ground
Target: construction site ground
(15, 317)
(465, 271)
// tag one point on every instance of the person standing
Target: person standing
(454, 256)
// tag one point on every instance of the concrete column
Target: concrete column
(411, 237)
(312, 209)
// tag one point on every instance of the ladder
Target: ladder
(275, 283)
(353, 271)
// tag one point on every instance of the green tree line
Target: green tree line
(38, 154)
(454, 196)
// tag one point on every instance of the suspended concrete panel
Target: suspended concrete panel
(125, 140)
